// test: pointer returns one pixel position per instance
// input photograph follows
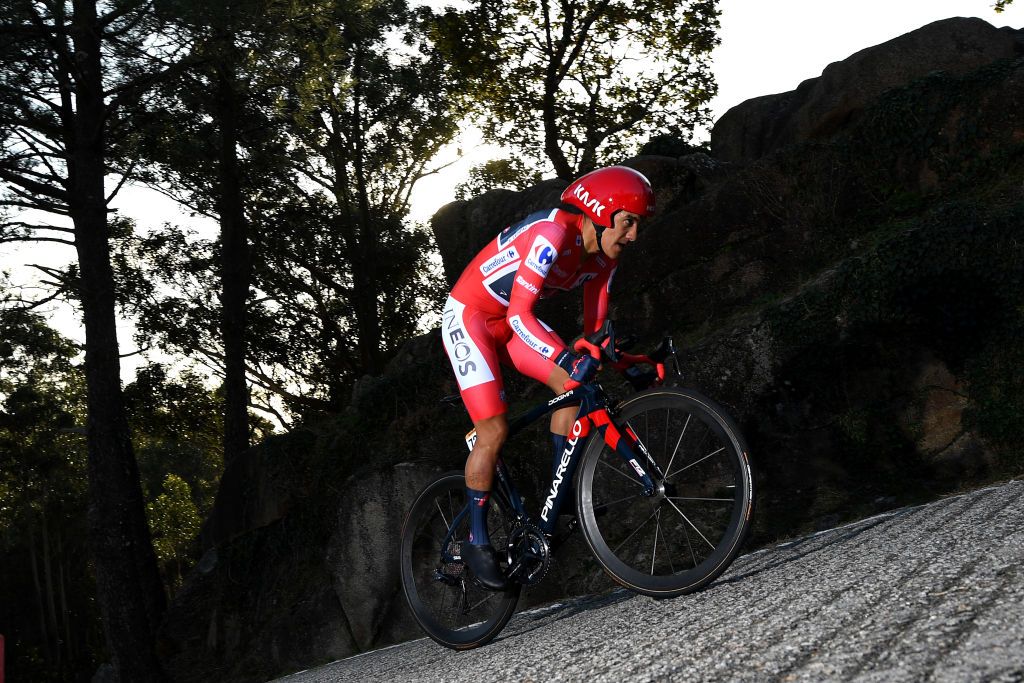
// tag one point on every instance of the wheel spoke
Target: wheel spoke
(668, 552)
(693, 555)
(668, 420)
(676, 450)
(687, 520)
(642, 445)
(696, 463)
(720, 500)
(490, 595)
(657, 528)
(447, 526)
(642, 525)
(605, 506)
(619, 472)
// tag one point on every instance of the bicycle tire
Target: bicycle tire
(462, 615)
(712, 497)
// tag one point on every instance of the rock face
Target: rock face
(362, 555)
(853, 299)
(821, 106)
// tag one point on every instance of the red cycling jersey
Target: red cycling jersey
(489, 316)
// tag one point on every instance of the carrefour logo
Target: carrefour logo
(536, 344)
(542, 255)
(498, 261)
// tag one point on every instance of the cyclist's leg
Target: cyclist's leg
(471, 348)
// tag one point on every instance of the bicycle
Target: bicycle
(674, 456)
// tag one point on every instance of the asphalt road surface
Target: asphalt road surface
(926, 593)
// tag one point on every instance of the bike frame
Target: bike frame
(593, 413)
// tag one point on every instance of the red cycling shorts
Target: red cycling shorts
(477, 342)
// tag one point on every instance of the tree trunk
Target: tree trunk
(234, 264)
(69, 643)
(365, 290)
(562, 168)
(43, 631)
(129, 593)
(51, 603)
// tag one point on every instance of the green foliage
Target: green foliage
(43, 488)
(178, 427)
(174, 522)
(580, 81)
(996, 376)
(933, 134)
(511, 174)
(43, 500)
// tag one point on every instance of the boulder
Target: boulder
(362, 554)
(822, 106)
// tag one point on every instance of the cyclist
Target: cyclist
(489, 318)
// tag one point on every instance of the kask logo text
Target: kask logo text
(593, 204)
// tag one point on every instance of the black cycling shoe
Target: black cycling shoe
(482, 561)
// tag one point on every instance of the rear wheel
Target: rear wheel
(685, 535)
(447, 604)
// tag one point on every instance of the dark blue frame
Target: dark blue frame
(591, 399)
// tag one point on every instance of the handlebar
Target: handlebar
(601, 346)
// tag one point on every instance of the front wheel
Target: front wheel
(450, 607)
(687, 533)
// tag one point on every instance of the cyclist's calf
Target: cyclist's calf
(491, 434)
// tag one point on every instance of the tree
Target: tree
(175, 521)
(67, 68)
(581, 81)
(363, 101)
(1002, 4)
(508, 173)
(372, 101)
(44, 586)
(191, 137)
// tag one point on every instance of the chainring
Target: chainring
(529, 554)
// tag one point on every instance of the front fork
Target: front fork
(630, 448)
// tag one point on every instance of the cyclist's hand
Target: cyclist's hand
(584, 369)
(581, 368)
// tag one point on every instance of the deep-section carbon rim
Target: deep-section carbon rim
(687, 534)
(455, 613)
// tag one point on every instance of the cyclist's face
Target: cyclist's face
(622, 232)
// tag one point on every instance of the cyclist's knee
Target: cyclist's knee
(491, 433)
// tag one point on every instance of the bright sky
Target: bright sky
(767, 47)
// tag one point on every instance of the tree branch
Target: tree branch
(36, 188)
(7, 240)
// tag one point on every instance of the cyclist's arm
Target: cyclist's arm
(544, 246)
(596, 293)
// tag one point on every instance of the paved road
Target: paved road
(926, 593)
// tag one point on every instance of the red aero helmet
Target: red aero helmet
(602, 192)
